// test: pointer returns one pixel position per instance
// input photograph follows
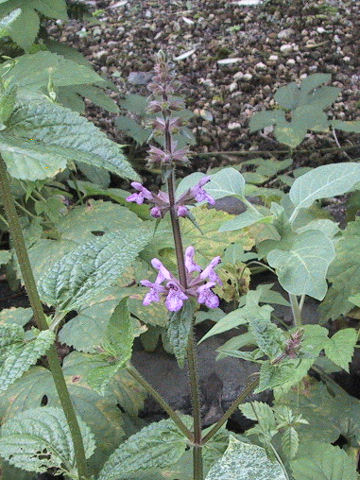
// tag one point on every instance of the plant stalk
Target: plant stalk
(295, 310)
(31, 289)
(240, 399)
(161, 401)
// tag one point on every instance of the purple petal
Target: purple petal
(175, 299)
(164, 273)
(182, 211)
(135, 197)
(207, 296)
(156, 212)
(190, 265)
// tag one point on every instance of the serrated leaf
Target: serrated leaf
(243, 461)
(18, 354)
(302, 264)
(71, 137)
(321, 461)
(25, 28)
(323, 182)
(269, 338)
(19, 316)
(91, 268)
(97, 96)
(178, 331)
(340, 347)
(39, 439)
(100, 413)
(258, 411)
(159, 445)
(32, 71)
(135, 103)
(226, 182)
(290, 442)
(5, 22)
(343, 274)
(132, 128)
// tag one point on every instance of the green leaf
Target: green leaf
(18, 316)
(246, 219)
(25, 28)
(17, 354)
(343, 274)
(91, 268)
(320, 461)
(302, 265)
(269, 338)
(117, 344)
(34, 151)
(5, 22)
(96, 95)
(264, 119)
(5, 256)
(310, 117)
(135, 103)
(324, 182)
(352, 126)
(258, 411)
(159, 445)
(288, 96)
(33, 71)
(314, 81)
(178, 331)
(290, 442)
(227, 181)
(340, 347)
(290, 133)
(231, 320)
(243, 461)
(132, 128)
(39, 439)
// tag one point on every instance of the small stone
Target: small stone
(285, 34)
(347, 59)
(286, 49)
(247, 77)
(260, 66)
(234, 125)
(321, 30)
(233, 86)
(273, 59)
(238, 76)
(291, 62)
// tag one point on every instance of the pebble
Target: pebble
(247, 77)
(287, 48)
(234, 125)
(273, 59)
(233, 86)
(291, 62)
(286, 34)
(260, 66)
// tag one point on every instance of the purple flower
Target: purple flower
(156, 155)
(200, 194)
(197, 285)
(207, 296)
(156, 212)
(190, 265)
(143, 194)
(182, 211)
(175, 298)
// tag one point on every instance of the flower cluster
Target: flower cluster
(161, 200)
(199, 284)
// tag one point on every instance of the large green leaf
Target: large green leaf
(33, 71)
(91, 268)
(302, 264)
(323, 182)
(343, 274)
(35, 151)
(245, 219)
(159, 445)
(19, 316)
(39, 439)
(227, 181)
(264, 119)
(321, 461)
(100, 413)
(18, 354)
(243, 461)
(25, 28)
(5, 22)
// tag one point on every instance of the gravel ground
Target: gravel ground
(271, 45)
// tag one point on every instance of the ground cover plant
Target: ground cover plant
(106, 267)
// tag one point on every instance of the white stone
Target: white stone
(238, 76)
(260, 66)
(234, 125)
(291, 62)
(347, 59)
(321, 30)
(285, 34)
(247, 77)
(233, 86)
(287, 48)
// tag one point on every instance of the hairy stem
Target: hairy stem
(238, 401)
(162, 402)
(30, 285)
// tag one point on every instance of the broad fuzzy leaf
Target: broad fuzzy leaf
(243, 461)
(227, 181)
(34, 151)
(91, 268)
(19, 316)
(264, 119)
(25, 28)
(159, 445)
(5, 22)
(320, 461)
(343, 274)
(323, 182)
(246, 219)
(302, 264)
(340, 347)
(17, 354)
(39, 439)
